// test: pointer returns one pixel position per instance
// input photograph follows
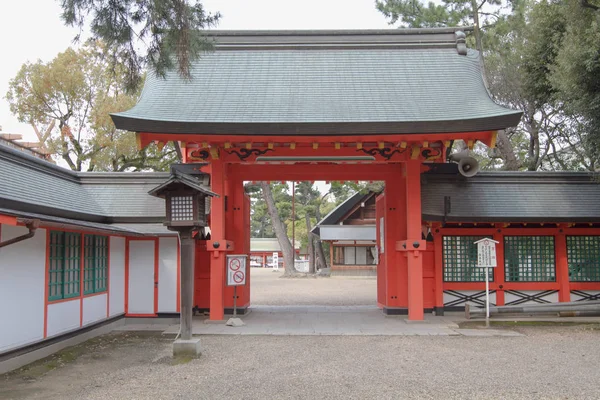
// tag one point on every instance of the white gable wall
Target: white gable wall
(22, 281)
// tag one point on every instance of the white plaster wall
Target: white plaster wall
(510, 297)
(63, 317)
(141, 277)
(450, 298)
(116, 302)
(94, 308)
(167, 275)
(22, 281)
(577, 295)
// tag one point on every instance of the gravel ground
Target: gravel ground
(268, 288)
(547, 363)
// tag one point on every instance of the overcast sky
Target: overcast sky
(32, 30)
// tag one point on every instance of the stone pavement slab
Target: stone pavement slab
(332, 321)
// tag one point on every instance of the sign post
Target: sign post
(486, 258)
(236, 275)
(275, 261)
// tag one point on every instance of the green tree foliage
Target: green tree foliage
(162, 34)
(540, 57)
(564, 65)
(68, 101)
(310, 204)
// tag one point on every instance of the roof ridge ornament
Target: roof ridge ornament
(461, 42)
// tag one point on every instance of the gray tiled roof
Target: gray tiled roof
(513, 197)
(32, 185)
(335, 215)
(360, 82)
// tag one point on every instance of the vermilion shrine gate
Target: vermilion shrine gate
(323, 105)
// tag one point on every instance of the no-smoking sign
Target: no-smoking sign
(236, 270)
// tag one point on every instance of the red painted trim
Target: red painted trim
(94, 294)
(126, 275)
(310, 172)
(156, 282)
(147, 137)
(46, 283)
(81, 278)
(108, 277)
(8, 220)
(64, 300)
(506, 286)
(178, 301)
(47, 225)
(584, 285)
(474, 231)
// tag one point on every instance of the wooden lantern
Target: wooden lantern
(185, 200)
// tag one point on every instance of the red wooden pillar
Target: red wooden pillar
(414, 243)
(562, 267)
(499, 271)
(381, 270)
(394, 229)
(238, 230)
(438, 258)
(217, 231)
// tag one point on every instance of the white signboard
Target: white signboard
(486, 258)
(236, 270)
(276, 261)
(486, 253)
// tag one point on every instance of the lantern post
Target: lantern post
(185, 201)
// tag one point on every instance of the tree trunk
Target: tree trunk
(279, 228)
(310, 249)
(322, 261)
(507, 152)
(317, 241)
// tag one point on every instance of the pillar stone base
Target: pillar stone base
(187, 348)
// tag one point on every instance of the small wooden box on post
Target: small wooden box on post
(185, 200)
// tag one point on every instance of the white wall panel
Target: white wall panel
(526, 296)
(94, 308)
(22, 281)
(584, 295)
(458, 298)
(117, 276)
(141, 277)
(167, 275)
(63, 317)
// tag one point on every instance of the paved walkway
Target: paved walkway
(331, 320)
(268, 288)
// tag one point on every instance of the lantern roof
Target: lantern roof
(177, 181)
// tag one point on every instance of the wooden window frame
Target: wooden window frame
(58, 256)
(95, 264)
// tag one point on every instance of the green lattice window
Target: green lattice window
(460, 259)
(529, 259)
(95, 264)
(64, 265)
(583, 253)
